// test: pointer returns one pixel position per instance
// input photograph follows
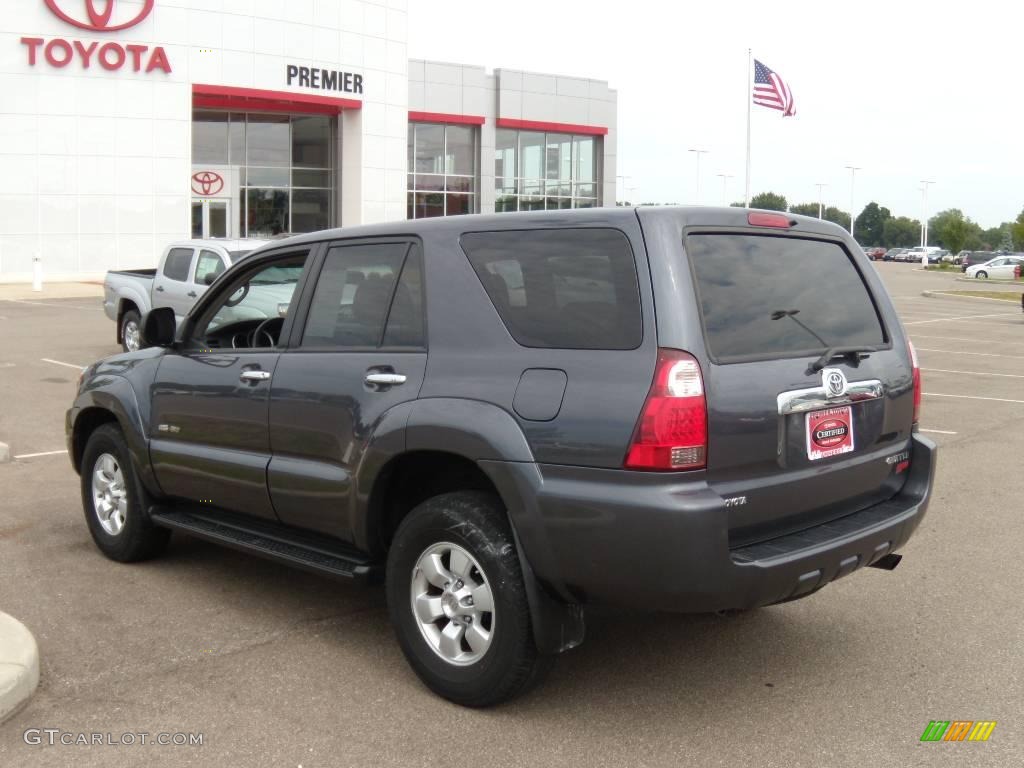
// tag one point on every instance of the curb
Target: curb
(982, 281)
(19, 665)
(941, 295)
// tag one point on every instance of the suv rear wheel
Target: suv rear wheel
(457, 601)
(115, 501)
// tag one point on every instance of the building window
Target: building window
(442, 170)
(282, 166)
(536, 171)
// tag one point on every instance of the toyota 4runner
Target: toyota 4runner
(508, 418)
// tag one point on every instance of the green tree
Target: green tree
(769, 201)
(950, 229)
(901, 232)
(870, 223)
(805, 209)
(992, 238)
(836, 216)
(1017, 233)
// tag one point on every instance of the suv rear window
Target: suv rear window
(561, 288)
(765, 297)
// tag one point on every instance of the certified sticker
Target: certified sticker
(829, 433)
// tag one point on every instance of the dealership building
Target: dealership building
(126, 124)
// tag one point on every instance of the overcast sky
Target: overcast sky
(906, 90)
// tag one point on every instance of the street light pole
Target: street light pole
(623, 178)
(853, 173)
(924, 218)
(698, 153)
(725, 178)
(820, 206)
(630, 191)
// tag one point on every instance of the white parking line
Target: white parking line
(972, 341)
(58, 362)
(973, 354)
(975, 397)
(976, 373)
(54, 306)
(939, 431)
(43, 453)
(961, 317)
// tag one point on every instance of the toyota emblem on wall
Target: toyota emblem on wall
(834, 382)
(207, 183)
(99, 14)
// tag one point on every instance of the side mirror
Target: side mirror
(209, 277)
(158, 327)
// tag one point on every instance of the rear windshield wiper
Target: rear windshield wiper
(855, 353)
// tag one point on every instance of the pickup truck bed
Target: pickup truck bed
(134, 272)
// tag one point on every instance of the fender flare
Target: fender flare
(492, 439)
(115, 394)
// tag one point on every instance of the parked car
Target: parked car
(1002, 267)
(875, 254)
(967, 258)
(185, 270)
(914, 255)
(895, 254)
(487, 413)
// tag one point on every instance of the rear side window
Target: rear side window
(767, 297)
(177, 263)
(561, 288)
(354, 293)
(210, 263)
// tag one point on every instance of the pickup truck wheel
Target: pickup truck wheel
(457, 601)
(131, 331)
(115, 502)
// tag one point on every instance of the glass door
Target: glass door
(210, 218)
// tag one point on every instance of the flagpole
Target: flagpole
(746, 202)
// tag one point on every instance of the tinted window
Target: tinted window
(209, 263)
(353, 294)
(405, 321)
(177, 264)
(771, 296)
(562, 288)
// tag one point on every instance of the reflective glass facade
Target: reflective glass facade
(534, 171)
(442, 170)
(282, 166)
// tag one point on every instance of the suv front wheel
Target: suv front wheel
(457, 601)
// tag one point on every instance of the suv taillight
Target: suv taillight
(917, 381)
(672, 433)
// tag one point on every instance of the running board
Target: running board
(272, 542)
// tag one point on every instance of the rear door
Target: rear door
(801, 444)
(359, 351)
(172, 282)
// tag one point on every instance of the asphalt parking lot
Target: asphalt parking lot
(278, 667)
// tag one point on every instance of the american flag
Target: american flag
(770, 91)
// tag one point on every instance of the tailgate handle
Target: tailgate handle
(816, 398)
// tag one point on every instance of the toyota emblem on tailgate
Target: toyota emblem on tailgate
(834, 382)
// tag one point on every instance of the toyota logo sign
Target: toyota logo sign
(207, 183)
(834, 382)
(97, 20)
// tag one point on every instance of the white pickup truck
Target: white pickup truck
(185, 270)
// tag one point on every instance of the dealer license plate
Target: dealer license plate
(829, 432)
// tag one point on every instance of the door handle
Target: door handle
(254, 375)
(191, 294)
(387, 379)
(160, 288)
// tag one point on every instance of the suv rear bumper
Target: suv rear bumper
(643, 540)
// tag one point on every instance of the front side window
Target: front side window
(442, 170)
(536, 171)
(367, 295)
(209, 263)
(262, 295)
(178, 263)
(561, 288)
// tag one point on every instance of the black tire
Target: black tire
(129, 320)
(511, 665)
(981, 275)
(138, 539)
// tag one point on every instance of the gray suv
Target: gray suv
(510, 418)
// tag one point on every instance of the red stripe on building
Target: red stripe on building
(231, 97)
(442, 117)
(540, 125)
